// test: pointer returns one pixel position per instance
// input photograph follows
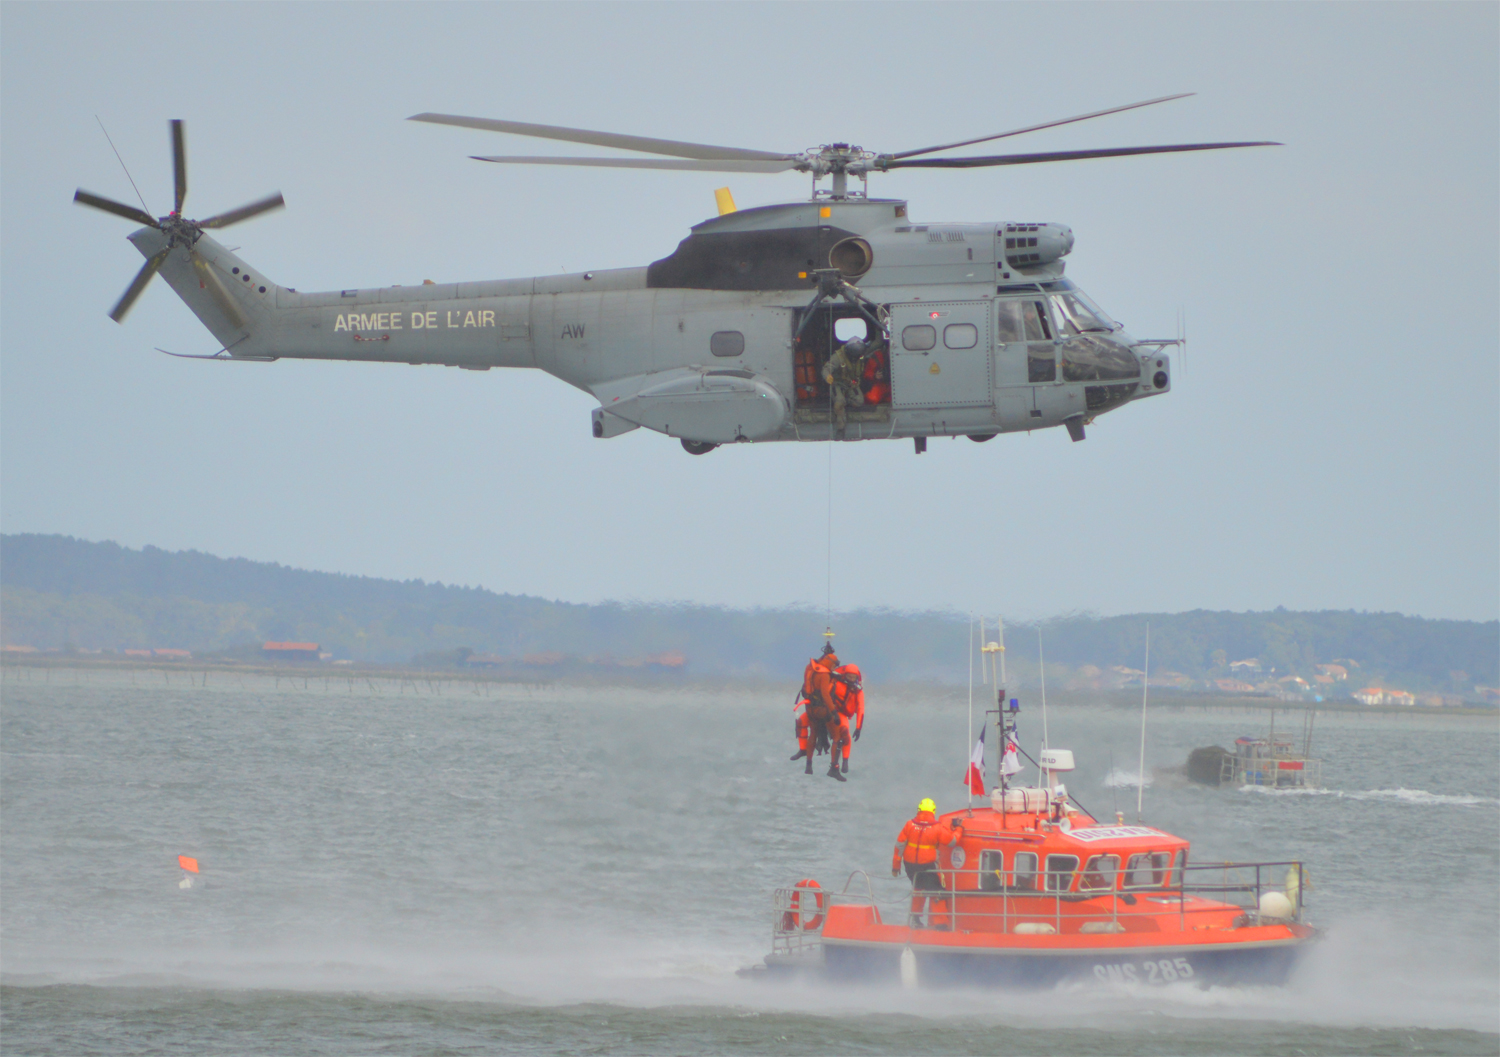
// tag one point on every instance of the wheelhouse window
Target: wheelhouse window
(1060, 871)
(1099, 872)
(727, 343)
(1147, 870)
(992, 871)
(918, 338)
(1174, 879)
(1025, 870)
(960, 335)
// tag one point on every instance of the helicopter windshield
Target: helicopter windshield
(1079, 315)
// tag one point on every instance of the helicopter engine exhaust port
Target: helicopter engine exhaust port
(1032, 245)
(697, 447)
(852, 257)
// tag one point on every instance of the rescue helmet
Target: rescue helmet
(853, 673)
(927, 805)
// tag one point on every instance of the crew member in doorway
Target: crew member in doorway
(849, 700)
(824, 726)
(917, 849)
(843, 372)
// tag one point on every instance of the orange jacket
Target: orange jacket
(850, 700)
(920, 839)
(817, 680)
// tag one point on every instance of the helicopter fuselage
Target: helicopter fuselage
(974, 329)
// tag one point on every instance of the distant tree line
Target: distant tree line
(57, 591)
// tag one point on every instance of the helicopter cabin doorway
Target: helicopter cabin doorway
(828, 329)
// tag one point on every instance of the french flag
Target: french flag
(975, 777)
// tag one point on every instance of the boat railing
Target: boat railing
(1044, 902)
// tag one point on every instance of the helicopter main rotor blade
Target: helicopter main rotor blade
(675, 148)
(119, 209)
(1048, 124)
(179, 165)
(1061, 155)
(234, 216)
(650, 163)
(142, 277)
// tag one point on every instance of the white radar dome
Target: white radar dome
(1057, 759)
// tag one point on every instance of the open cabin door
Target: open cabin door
(941, 355)
(828, 329)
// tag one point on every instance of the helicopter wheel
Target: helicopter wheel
(980, 438)
(697, 447)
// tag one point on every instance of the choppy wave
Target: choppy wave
(1402, 795)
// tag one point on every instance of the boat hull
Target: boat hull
(937, 966)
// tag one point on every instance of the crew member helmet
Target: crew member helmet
(927, 805)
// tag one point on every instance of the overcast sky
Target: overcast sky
(1330, 442)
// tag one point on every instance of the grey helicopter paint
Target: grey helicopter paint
(979, 330)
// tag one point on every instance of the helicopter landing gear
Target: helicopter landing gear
(697, 447)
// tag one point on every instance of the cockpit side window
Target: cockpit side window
(1100, 872)
(1038, 326)
(1060, 871)
(1041, 355)
(1008, 327)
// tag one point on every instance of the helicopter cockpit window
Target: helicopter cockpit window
(1079, 315)
(727, 343)
(960, 335)
(1007, 322)
(918, 338)
(1089, 358)
(1041, 356)
(1038, 328)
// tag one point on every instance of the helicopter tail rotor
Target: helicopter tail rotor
(180, 231)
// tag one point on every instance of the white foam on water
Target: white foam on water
(1403, 795)
(1121, 778)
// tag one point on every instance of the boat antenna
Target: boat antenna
(1140, 786)
(1041, 661)
(1000, 701)
(971, 705)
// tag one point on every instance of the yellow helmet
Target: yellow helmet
(927, 805)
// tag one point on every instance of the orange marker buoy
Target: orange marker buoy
(188, 863)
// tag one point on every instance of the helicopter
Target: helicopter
(911, 331)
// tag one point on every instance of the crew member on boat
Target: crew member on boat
(917, 849)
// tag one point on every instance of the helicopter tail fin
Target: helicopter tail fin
(231, 299)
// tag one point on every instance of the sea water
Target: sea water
(397, 867)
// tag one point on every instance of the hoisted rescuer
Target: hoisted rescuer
(917, 849)
(822, 725)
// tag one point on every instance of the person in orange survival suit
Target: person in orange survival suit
(917, 849)
(849, 699)
(821, 721)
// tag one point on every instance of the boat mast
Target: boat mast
(1140, 785)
